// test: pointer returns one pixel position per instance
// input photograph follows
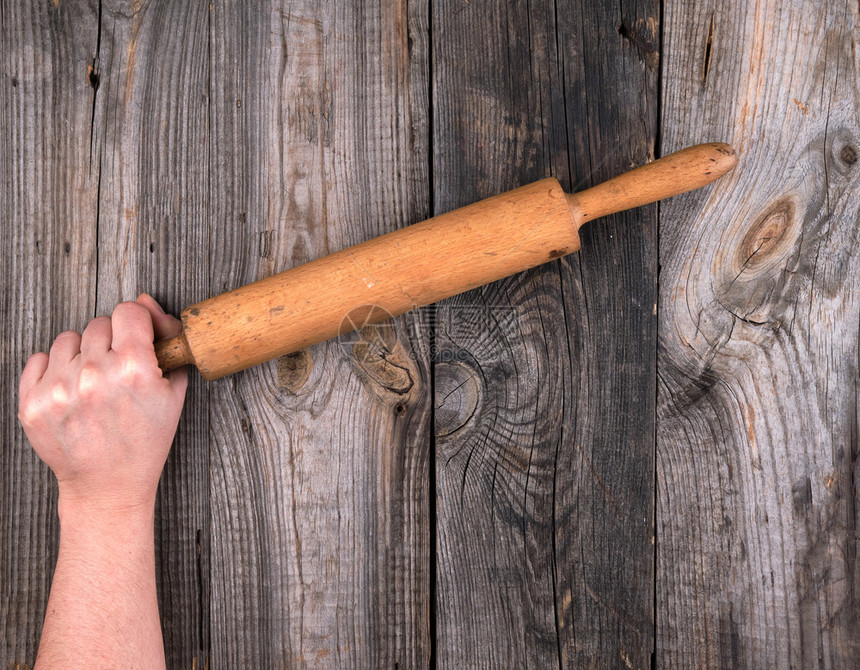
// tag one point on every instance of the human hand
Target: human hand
(98, 411)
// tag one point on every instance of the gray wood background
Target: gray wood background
(642, 455)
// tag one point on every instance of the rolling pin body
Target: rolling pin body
(417, 265)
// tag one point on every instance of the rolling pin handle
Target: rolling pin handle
(173, 353)
(674, 174)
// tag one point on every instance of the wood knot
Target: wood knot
(767, 241)
(458, 395)
(756, 271)
(379, 364)
(842, 152)
(376, 351)
(642, 34)
(294, 370)
(848, 154)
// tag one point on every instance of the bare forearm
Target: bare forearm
(103, 610)
(101, 414)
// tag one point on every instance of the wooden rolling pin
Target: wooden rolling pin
(418, 265)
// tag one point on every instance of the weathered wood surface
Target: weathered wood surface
(759, 311)
(105, 115)
(473, 485)
(545, 382)
(150, 131)
(319, 461)
(48, 205)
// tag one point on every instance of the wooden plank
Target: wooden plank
(48, 196)
(319, 480)
(106, 133)
(151, 145)
(545, 382)
(758, 363)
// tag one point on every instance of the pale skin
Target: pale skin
(98, 411)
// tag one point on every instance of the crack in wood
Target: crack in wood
(709, 44)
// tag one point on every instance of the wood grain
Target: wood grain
(319, 461)
(758, 414)
(544, 421)
(151, 147)
(48, 205)
(306, 517)
(96, 207)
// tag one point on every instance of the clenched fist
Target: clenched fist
(98, 411)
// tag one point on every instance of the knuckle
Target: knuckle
(131, 371)
(25, 412)
(29, 410)
(25, 418)
(59, 396)
(90, 381)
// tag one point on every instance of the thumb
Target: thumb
(166, 326)
(163, 324)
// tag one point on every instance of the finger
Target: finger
(179, 382)
(32, 373)
(165, 325)
(132, 329)
(66, 346)
(96, 338)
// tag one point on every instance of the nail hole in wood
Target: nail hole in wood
(93, 76)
